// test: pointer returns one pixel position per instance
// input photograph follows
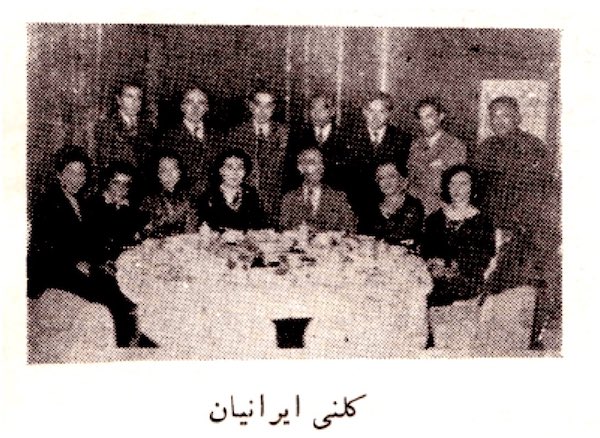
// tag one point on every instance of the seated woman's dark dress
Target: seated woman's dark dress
(404, 224)
(469, 243)
(246, 214)
(169, 213)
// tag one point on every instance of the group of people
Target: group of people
(423, 192)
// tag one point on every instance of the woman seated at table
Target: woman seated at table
(168, 206)
(230, 203)
(458, 242)
(398, 217)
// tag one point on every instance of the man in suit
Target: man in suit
(319, 131)
(314, 203)
(517, 177)
(266, 142)
(375, 140)
(431, 154)
(123, 135)
(61, 256)
(194, 141)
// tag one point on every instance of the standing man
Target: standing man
(431, 154)
(517, 175)
(375, 140)
(194, 141)
(124, 136)
(321, 132)
(266, 142)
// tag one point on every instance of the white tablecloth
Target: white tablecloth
(195, 307)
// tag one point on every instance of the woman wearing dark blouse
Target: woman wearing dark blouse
(168, 206)
(458, 242)
(398, 218)
(230, 203)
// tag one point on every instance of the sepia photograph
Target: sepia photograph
(207, 192)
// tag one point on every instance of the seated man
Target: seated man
(60, 255)
(314, 203)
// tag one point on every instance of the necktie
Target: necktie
(320, 135)
(199, 132)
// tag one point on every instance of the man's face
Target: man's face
(429, 119)
(168, 173)
(504, 119)
(376, 114)
(130, 100)
(119, 186)
(310, 165)
(262, 107)
(194, 105)
(73, 177)
(320, 112)
(389, 179)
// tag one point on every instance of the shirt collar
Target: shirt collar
(432, 141)
(128, 120)
(193, 126)
(264, 127)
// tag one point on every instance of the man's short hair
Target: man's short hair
(380, 95)
(428, 101)
(261, 90)
(387, 162)
(183, 92)
(327, 98)
(509, 101)
(71, 154)
(126, 84)
(308, 149)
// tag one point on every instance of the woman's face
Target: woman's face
(459, 187)
(233, 171)
(389, 180)
(73, 177)
(169, 173)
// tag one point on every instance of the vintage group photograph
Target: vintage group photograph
(202, 192)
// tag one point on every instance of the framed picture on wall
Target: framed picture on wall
(532, 96)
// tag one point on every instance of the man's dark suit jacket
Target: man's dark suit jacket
(333, 213)
(268, 156)
(115, 142)
(197, 156)
(359, 161)
(304, 138)
(58, 241)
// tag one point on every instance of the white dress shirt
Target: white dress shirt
(196, 129)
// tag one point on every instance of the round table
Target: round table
(197, 302)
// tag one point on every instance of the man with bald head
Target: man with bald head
(517, 175)
(194, 141)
